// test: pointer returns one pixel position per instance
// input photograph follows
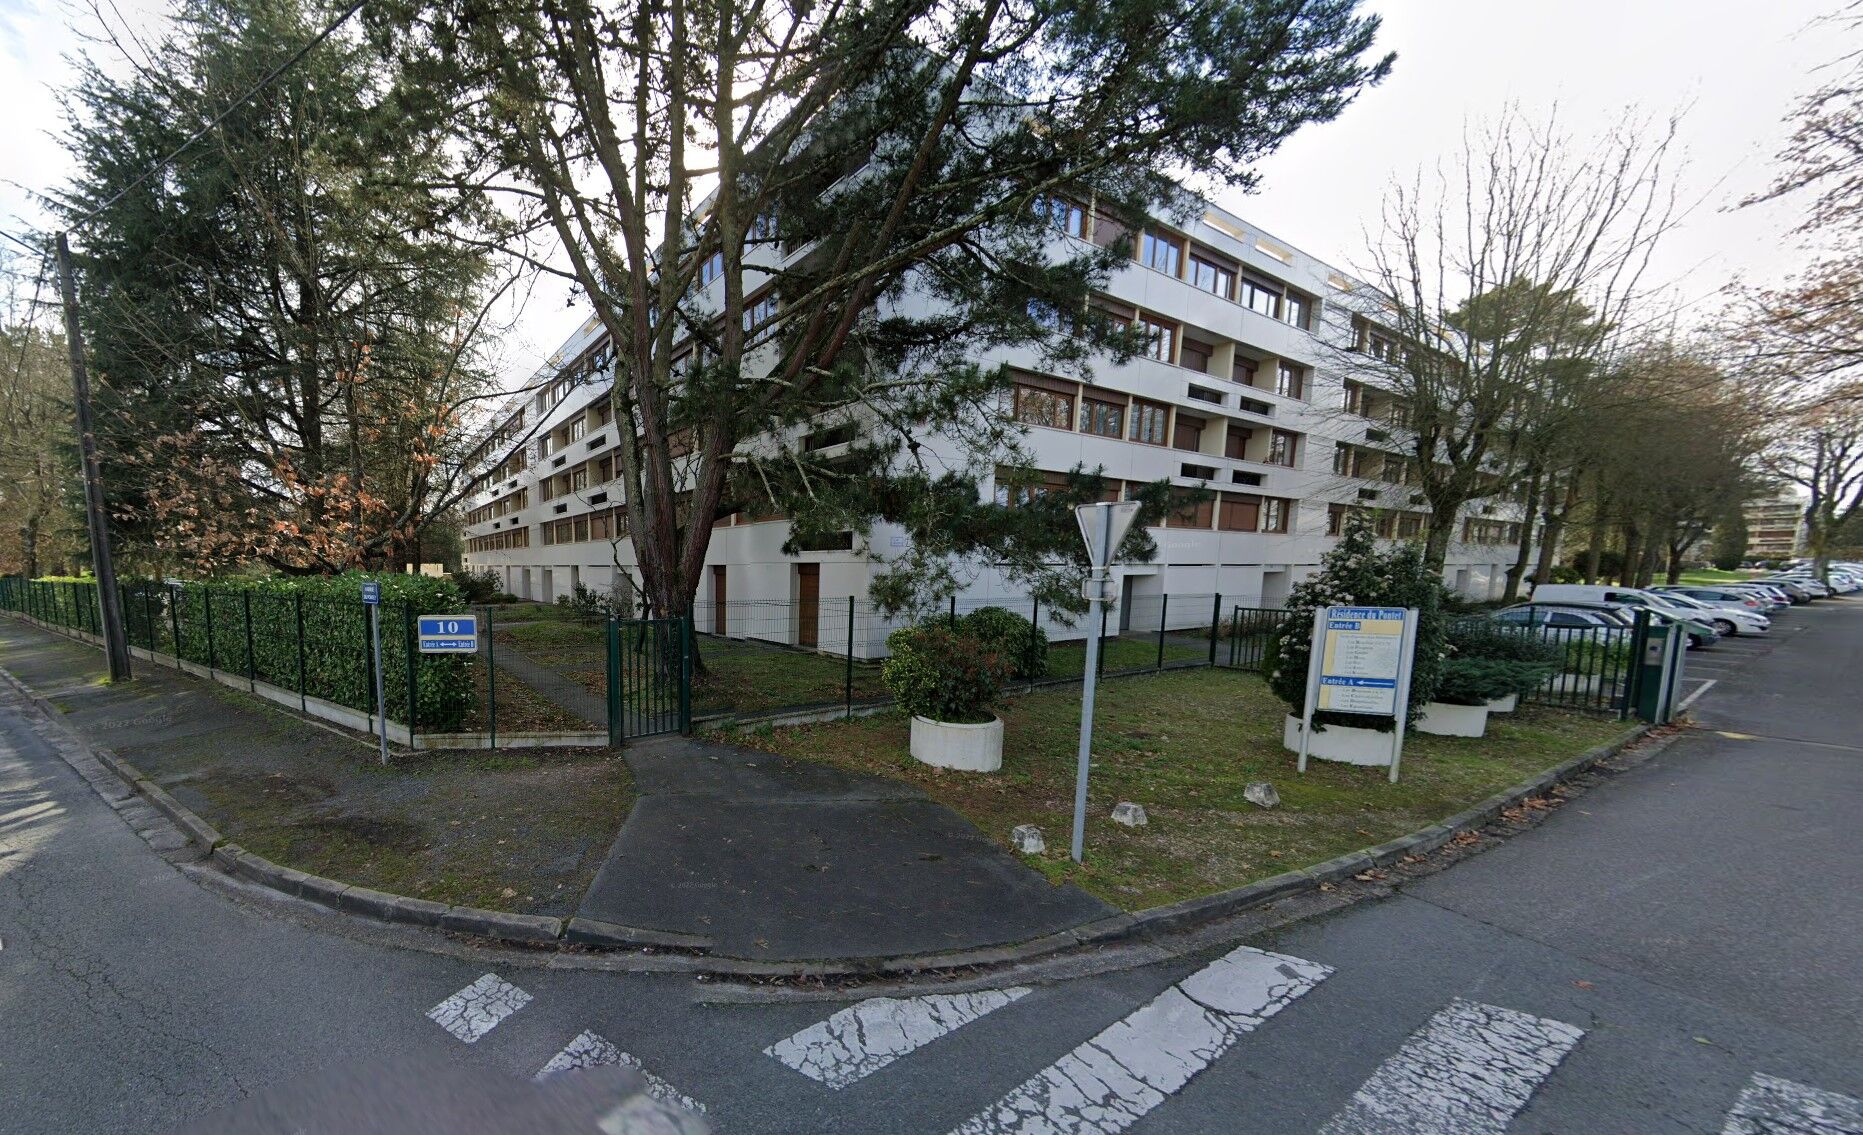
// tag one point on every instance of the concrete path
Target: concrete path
(776, 858)
(567, 693)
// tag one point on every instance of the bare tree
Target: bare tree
(1819, 448)
(1500, 286)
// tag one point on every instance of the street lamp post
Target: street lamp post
(1102, 526)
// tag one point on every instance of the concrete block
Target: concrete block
(1027, 839)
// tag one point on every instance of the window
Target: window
(1354, 397)
(578, 478)
(1376, 342)
(1235, 444)
(1409, 526)
(1148, 420)
(1108, 230)
(1063, 215)
(1298, 310)
(1195, 355)
(759, 314)
(1290, 381)
(1104, 418)
(1281, 447)
(1189, 512)
(1342, 460)
(1204, 395)
(1335, 519)
(762, 227)
(1023, 493)
(1163, 253)
(1261, 295)
(581, 529)
(1044, 406)
(1212, 277)
(1161, 338)
(606, 470)
(1243, 371)
(577, 428)
(1274, 514)
(1240, 512)
(711, 269)
(1199, 472)
(1189, 432)
(1044, 314)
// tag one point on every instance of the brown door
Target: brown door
(718, 599)
(808, 602)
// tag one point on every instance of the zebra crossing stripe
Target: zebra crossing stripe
(1467, 1071)
(1773, 1106)
(478, 1008)
(864, 1038)
(1111, 1081)
(589, 1050)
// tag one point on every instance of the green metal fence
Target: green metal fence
(649, 677)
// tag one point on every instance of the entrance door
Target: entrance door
(718, 599)
(1125, 603)
(808, 603)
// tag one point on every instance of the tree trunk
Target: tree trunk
(1633, 555)
(1519, 568)
(1558, 507)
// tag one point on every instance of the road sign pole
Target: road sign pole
(1102, 526)
(375, 647)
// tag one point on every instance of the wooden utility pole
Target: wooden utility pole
(116, 647)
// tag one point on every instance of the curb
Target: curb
(534, 931)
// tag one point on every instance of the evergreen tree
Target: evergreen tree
(283, 319)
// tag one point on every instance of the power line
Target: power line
(269, 78)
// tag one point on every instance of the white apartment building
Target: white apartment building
(1250, 391)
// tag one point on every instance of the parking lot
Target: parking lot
(1705, 669)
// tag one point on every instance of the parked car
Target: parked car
(1616, 618)
(1774, 596)
(1728, 619)
(1625, 597)
(1721, 596)
(1794, 589)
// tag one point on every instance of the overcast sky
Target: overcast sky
(1735, 68)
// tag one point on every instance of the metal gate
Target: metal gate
(649, 677)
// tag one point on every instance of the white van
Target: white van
(1594, 593)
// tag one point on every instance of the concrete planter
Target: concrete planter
(1341, 743)
(1574, 685)
(1504, 705)
(950, 744)
(1444, 720)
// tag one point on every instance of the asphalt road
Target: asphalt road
(1679, 950)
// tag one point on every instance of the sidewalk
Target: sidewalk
(753, 855)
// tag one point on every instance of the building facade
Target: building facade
(1256, 387)
(1775, 527)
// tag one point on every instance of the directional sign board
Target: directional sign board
(1361, 658)
(1361, 664)
(371, 592)
(448, 634)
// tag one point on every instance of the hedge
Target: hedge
(307, 634)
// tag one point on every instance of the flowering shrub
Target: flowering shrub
(1355, 573)
(943, 674)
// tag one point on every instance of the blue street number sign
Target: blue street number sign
(372, 593)
(449, 634)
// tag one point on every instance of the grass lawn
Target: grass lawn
(1715, 575)
(520, 708)
(1184, 744)
(741, 676)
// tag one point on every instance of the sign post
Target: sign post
(1360, 663)
(1102, 526)
(372, 598)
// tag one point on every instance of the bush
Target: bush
(477, 587)
(251, 626)
(1477, 681)
(1022, 644)
(1355, 573)
(1485, 639)
(943, 674)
